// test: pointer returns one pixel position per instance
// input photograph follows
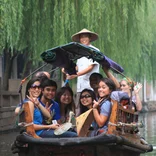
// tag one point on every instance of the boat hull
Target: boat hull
(102, 145)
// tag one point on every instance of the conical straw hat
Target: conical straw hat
(83, 122)
(76, 37)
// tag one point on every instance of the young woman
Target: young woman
(128, 86)
(65, 99)
(87, 97)
(102, 107)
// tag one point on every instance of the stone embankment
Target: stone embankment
(149, 106)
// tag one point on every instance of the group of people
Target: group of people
(93, 92)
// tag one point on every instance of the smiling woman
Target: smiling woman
(64, 97)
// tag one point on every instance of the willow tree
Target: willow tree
(124, 35)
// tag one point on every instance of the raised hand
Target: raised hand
(97, 103)
(35, 101)
(137, 88)
(48, 107)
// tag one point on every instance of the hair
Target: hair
(93, 96)
(111, 85)
(85, 33)
(29, 84)
(41, 75)
(48, 82)
(96, 75)
(61, 91)
(130, 82)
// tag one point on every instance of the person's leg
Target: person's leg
(77, 104)
(50, 134)
(67, 134)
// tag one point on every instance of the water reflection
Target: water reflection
(6, 139)
(148, 132)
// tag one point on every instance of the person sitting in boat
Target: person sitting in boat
(132, 89)
(102, 107)
(38, 109)
(49, 88)
(87, 97)
(41, 75)
(64, 97)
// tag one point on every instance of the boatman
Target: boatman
(85, 67)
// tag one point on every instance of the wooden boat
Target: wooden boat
(121, 139)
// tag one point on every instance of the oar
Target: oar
(65, 83)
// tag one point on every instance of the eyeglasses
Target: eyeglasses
(85, 96)
(36, 86)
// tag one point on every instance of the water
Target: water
(148, 132)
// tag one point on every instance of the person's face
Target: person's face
(86, 99)
(103, 89)
(49, 92)
(124, 86)
(94, 82)
(35, 90)
(85, 39)
(66, 98)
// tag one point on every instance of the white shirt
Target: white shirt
(83, 80)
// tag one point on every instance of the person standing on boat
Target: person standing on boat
(102, 107)
(85, 67)
(132, 89)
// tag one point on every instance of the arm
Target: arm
(85, 71)
(40, 127)
(111, 76)
(17, 110)
(100, 118)
(37, 104)
(137, 88)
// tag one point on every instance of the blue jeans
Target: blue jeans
(50, 134)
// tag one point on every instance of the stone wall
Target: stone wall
(7, 118)
(8, 102)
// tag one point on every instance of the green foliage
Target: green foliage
(126, 28)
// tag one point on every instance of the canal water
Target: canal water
(148, 132)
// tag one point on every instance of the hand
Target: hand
(34, 100)
(69, 77)
(48, 107)
(97, 103)
(54, 126)
(137, 88)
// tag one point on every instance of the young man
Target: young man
(85, 67)
(49, 88)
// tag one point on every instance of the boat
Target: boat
(122, 137)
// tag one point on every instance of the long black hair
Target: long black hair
(29, 84)
(93, 96)
(111, 85)
(60, 92)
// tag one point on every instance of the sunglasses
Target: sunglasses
(85, 96)
(36, 86)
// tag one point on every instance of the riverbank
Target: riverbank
(149, 106)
